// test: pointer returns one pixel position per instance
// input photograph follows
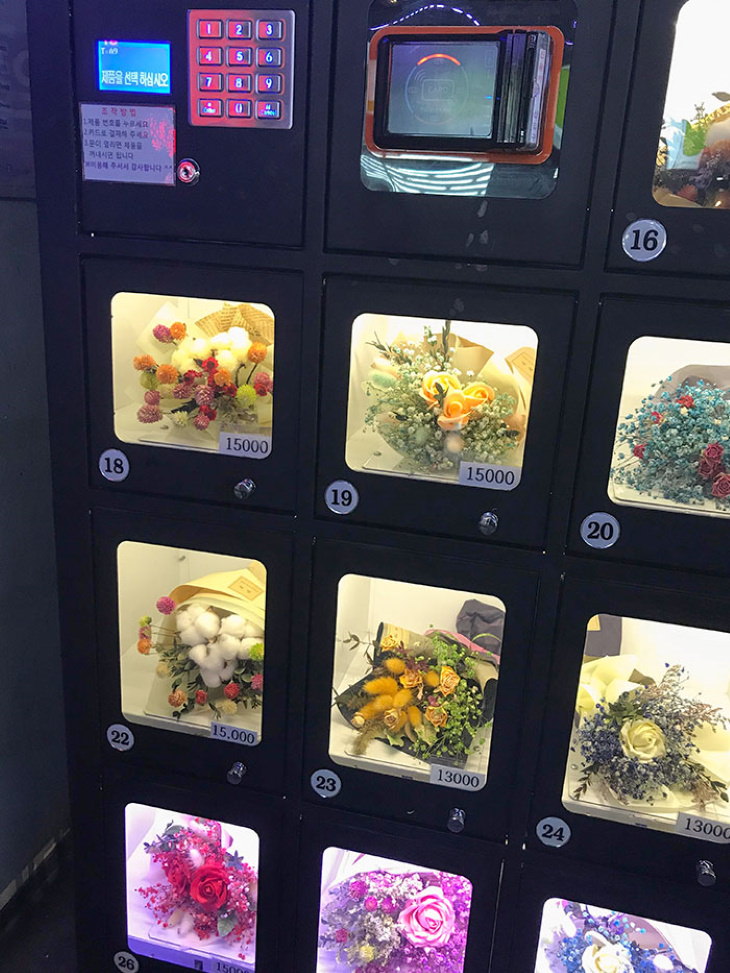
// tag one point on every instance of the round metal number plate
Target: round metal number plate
(600, 530)
(126, 962)
(114, 465)
(644, 240)
(553, 832)
(341, 497)
(326, 783)
(120, 737)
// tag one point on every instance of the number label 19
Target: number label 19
(693, 827)
(489, 476)
(120, 737)
(233, 734)
(341, 497)
(462, 779)
(600, 530)
(126, 962)
(553, 832)
(644, 240)
(114, 465)
(326, 783)
(252, 447)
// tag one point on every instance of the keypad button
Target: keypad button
(210, 55)
(239, 109)
(240, 56)
(210, 28)
(210, 82)
(210, 108)
(239, 82)
(239, 30)
(268, 109)
(270, 30)
(269, 57)
(266, 83)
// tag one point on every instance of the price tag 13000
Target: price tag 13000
(693, 827)
(464, 780)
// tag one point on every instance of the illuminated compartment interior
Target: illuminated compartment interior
(415, 679)
(428, 396)
(579, 938)
(187, 370)
(191, 889)
(672, 446)
(693, 159)
(191, 630)
(651, 732)
(386, 915)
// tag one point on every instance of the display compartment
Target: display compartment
(656, 433)
(187, 379)
(209, 104)
(576, 920)
(417, 664)
(407, 177)
(635, 755)
(398, 899)
(676, 165)
(193, 881)
(444, 404)
(197, 708)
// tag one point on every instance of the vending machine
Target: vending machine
(389, 388)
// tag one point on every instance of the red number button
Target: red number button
(210, 55)
(210, 28)
(268, 109)
(270, 30)
(268, 83)
(240, 56)
(269, 57)
(210, 109)
(210, 82)
(239, 29)
(239, 109)
(239, 82)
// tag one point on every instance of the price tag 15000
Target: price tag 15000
(693, 827)
(489, 476)
(233, 734)
(252, 447)
(464, 780)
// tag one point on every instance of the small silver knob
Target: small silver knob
(488, 523)
(706, 873)
(236, 773)
(457, 820)
(244, 490)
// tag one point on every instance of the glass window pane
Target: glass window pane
(651, 732)
(187, 370)
(415, 680)
(191, 889)
(379, 914)
(578, 938)
(430, 398)
(191, 630)
(693, 159)
(672, 446)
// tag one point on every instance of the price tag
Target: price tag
(600, 530)
(114, 465)
(326, 783)
(693, 827)
(553, 832)
(222, 966)
(252, 447)
(233, 734)
(464, 780)
(120, 737)
(489, 476)
(644, 240)
(341, 497)
(126, 962)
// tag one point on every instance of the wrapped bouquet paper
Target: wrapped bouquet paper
(210, 645)
(429, 695)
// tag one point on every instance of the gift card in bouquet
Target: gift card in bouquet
(440, 400)
(651, 730)
(411, 700)
(192, 889)
(196, 656)
(672, 445)
(576, 936)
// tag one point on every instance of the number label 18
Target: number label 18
(488, 476)
(233, 734)
(694, 827)
(252, 447)
(462, 779)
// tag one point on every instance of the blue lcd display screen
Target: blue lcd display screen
(134, 66)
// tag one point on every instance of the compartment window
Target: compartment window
(579, 938)
(191, 889)
(672, 445)
(381, 914)
(440, 400)
(651, 731)
(415, 677)
(191, 628)
(193, 373)
(693, 158)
